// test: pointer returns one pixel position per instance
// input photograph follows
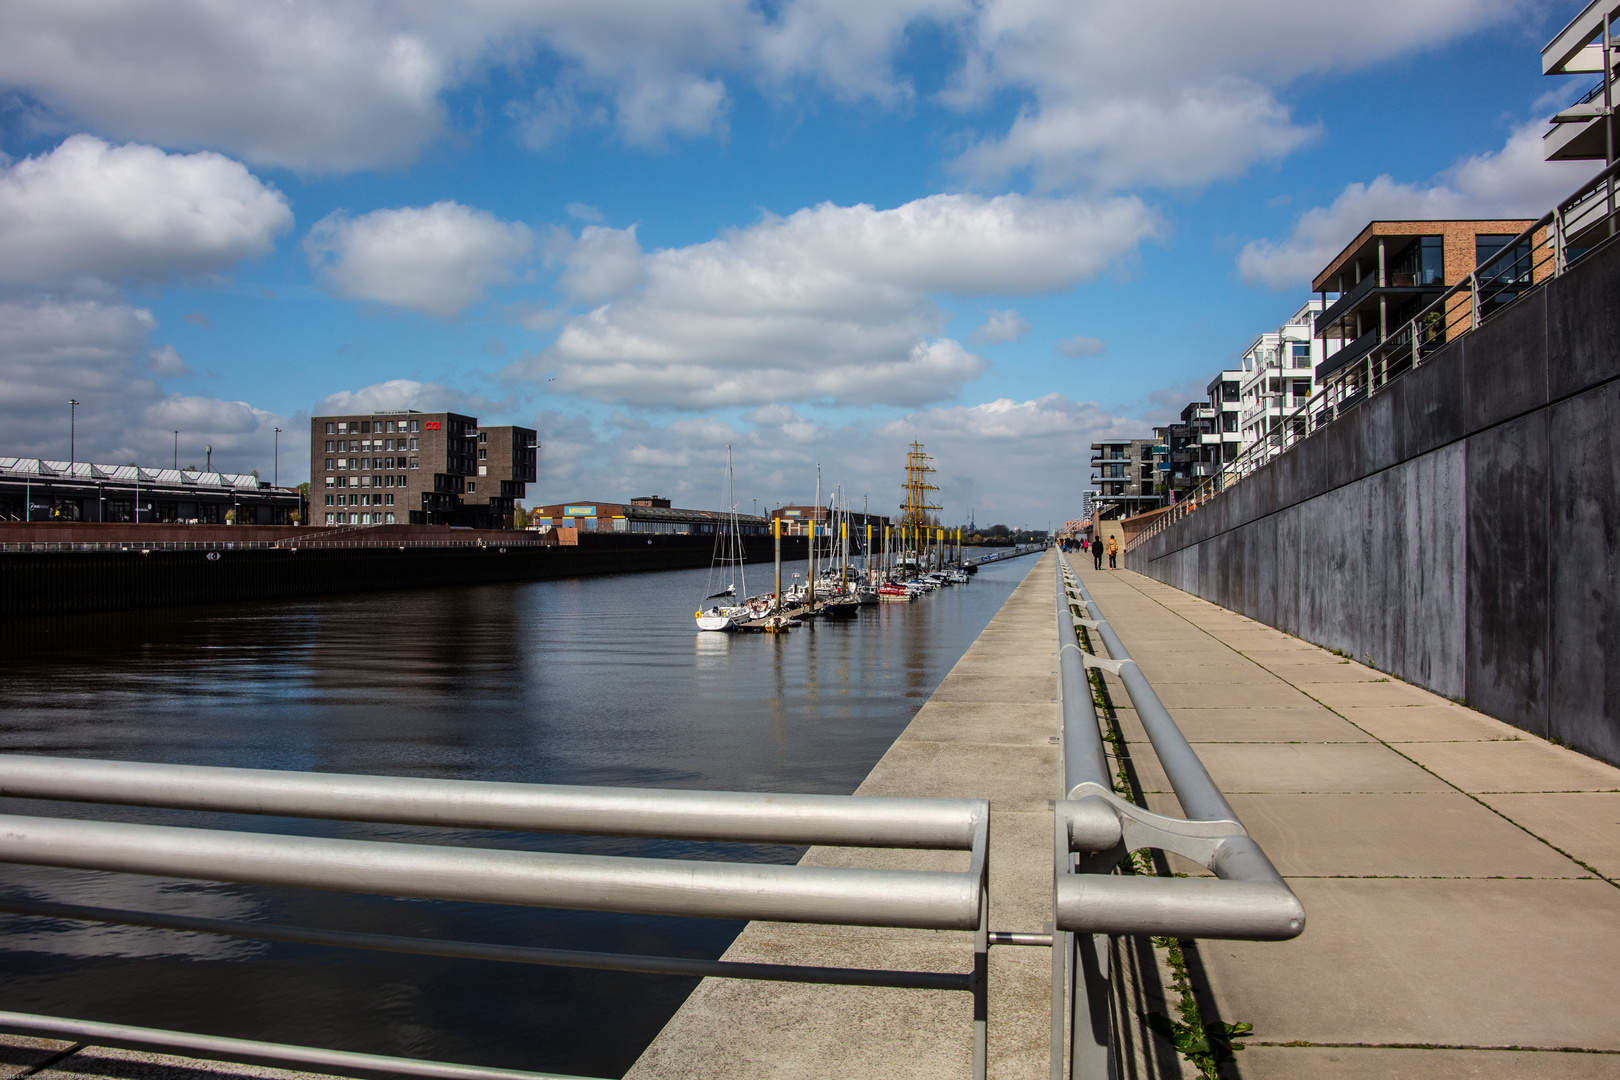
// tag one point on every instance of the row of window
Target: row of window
(367, 481)
(362, 500)
(369, 464)
(370, 427)
(373, 518)
(362, 446)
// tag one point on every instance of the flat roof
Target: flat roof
(88, 472)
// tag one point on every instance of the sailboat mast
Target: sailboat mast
(736, 530)
(776, 531)
(810, 585)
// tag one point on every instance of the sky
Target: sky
(812, 230)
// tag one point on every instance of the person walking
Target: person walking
(1097, 551)
(1113, 551)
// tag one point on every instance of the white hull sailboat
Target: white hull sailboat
(729, 555)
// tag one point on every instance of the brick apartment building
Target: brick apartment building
(417, 468)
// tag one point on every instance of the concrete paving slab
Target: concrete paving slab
(1447, 962)
(1398, 1063)
(1585, 824)
(990, 689)
(1358, 694)
(1312, 767)
(1440, 834)
(1526, 765)
(1314, 724)
(1012, 778)
(1431, 723)
(1315, 672)
(966, 722)
(1272, 693)
(24, 1054)
(95, 1062)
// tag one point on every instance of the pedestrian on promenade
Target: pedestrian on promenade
(1113, 550)
(1097, 550)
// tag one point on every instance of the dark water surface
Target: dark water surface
(586, 681)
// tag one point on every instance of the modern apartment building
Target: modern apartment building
(1393, 269)
(1190, 449)
(1226, 403)
(1279, 373)
(418, 468)
(1126, 474)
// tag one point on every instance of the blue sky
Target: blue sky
(812, 230)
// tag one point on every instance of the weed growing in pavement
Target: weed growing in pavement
(1207, 1044)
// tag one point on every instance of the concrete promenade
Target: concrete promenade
(989, 731)
(1460, 876)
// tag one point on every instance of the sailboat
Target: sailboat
(729, 556)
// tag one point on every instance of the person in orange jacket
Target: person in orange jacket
(1113, 550)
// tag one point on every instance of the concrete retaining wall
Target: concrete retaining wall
(1461, 529)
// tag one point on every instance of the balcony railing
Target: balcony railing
(1572, 230)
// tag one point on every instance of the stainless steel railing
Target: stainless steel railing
(1094, 829)
(940, 900)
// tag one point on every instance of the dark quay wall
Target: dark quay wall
(85, 576)
(1460, 529)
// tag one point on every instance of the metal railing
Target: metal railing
(1095, 829)
(938, 900)
(1578, 225)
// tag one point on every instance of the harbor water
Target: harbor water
(584, 681)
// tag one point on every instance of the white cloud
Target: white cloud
(407, 394)
(1514, 182)
(91, 210)
(829, 304)
(584, 212)
(1174, 93)
(601, 264)
(92, 350)
(1001, 326)
(305, 85)
(1177, 93)
(1080, 345)
(435, 259)
(166, 360)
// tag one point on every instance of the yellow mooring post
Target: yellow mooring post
(776, 533)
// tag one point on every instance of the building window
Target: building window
(416, 425)
(1302, 356)
(471, 487)
(329, 500)
(414, 447)
(329, 431)
(329, 482)
(388, 519)
(343, 427)
(388, 500)
(416, 462)
(329, 519)
(482, 453)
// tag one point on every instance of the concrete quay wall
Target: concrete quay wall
(1461, 529)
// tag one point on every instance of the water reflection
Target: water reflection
(590, 681)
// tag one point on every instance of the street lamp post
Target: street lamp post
(275, 475)
(73, 411)
(176, 451)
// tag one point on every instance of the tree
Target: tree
(521, 518)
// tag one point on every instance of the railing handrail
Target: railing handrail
(691, 888)
(664, 813)
(1247, 899)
